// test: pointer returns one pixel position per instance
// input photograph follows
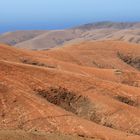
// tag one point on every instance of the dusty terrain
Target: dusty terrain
(82, 91)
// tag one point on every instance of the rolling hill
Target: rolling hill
(83, 90)
(128, 32)
(12, 38)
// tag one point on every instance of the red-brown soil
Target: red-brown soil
(84, 90)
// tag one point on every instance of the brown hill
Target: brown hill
(87, 90)
(22, 135)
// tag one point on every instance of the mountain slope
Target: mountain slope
(108, 25)
(128, 32)
(83, 89)
(13, 38)
(50, 39)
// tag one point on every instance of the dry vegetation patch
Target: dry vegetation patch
(130, 60)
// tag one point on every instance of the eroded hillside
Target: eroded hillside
(79, 91)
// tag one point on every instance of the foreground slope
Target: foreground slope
(22, 135)
(84, 90)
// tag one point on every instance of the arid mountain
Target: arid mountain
(12, 38)
(58, 38)
(88, 90)
(50, 39)
(128, 32)
(108, 25)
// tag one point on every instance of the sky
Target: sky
(61, 14)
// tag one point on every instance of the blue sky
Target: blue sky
(59, 14)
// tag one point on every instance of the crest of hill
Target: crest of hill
(106, 25)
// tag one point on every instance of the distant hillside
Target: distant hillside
(113, 25)
(50, 39)
(12, 38)
(128, 32)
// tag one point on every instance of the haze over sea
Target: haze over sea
(60, 14)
